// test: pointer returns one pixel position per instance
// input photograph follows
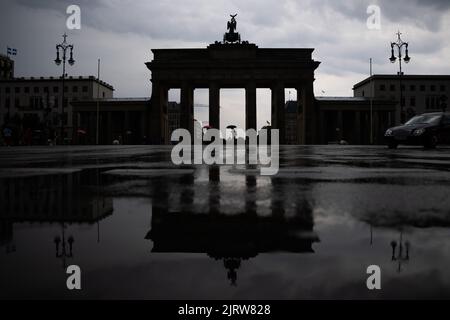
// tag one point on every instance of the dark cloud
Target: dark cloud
(123, 32)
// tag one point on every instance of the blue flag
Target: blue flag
(12, 51)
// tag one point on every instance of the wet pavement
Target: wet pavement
(140, 227)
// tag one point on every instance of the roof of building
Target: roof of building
(353, 99)
(68, 79)
(113, 100)
(405, 77)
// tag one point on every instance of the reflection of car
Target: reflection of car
(428, 129)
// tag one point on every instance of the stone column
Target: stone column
(278, 110)
(214, 106)
(309, 114)
(109, 127)
(322, 125)
(187, 108)
(126, 121)
(126, 128)
(340, 125)
(357, 131)
(300, 115)
(376, 127)
(143, 131)
(158, 115)
(250, 106)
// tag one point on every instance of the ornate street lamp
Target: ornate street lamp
(63, 48)
(400, 256)
(399, 45)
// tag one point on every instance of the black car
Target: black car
(428, 129)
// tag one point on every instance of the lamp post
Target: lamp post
(400, 256)
(63, 48)
(399, 45)
(62, 243)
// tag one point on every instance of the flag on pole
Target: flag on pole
(12, 51)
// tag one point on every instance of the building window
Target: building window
(442, 88)
(432, 102)
(55, 89)
(26, 89)
(46, 89)
(412, 87)
(382, 87)
(392, 87)
(412, 101)
(66, 102)
(103, 94)
(36, 90)
(7, 103)
(17, 103)
(403, 87)
(66, 89)
(7, 90)
(36, 103)
(75, 89)
(433, 88)
(17, 90)
(85, 89)
(422, 87)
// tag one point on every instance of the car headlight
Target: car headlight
(388, 132)
(419, 132)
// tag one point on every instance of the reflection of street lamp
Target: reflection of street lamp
(400, 256)
(64, 46)
(61, 243)
(399, 45)
(232, 264)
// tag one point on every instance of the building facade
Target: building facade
(6, 67)
(235, 65)
(292, 118)
(125, 120)
(173, 116)
(420, 93)
(350, 119)
(37, 101)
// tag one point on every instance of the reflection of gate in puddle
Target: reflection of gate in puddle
(231, 238)
(61, 198)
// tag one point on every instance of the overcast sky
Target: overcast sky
(123, 32)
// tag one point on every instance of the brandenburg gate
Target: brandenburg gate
(233, 64)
